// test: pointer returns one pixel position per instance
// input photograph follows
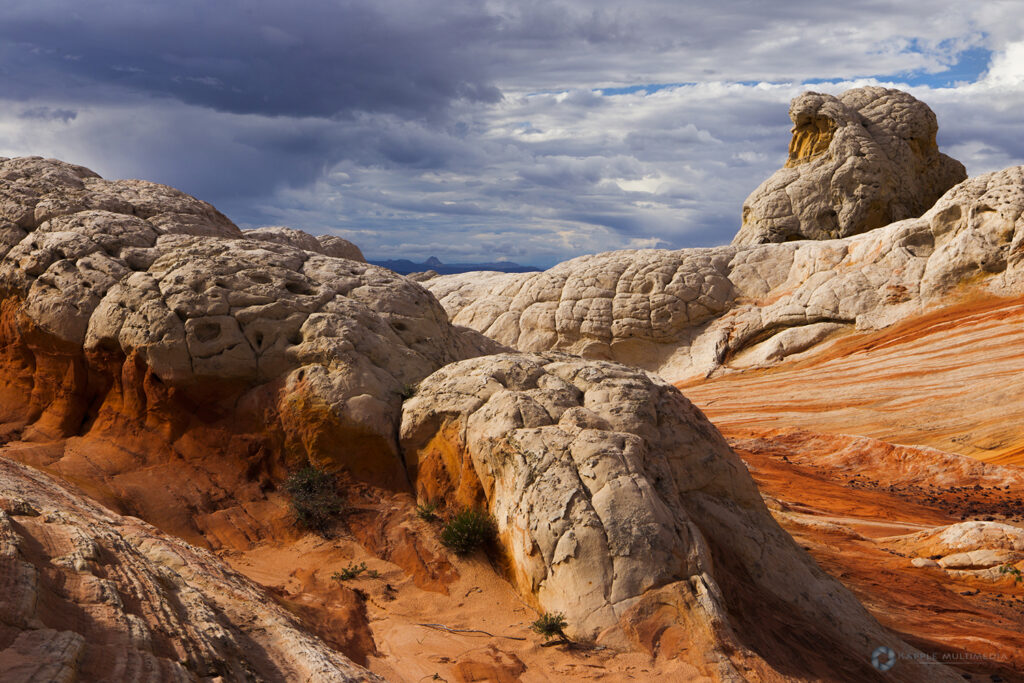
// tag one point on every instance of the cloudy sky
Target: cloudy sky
(481, 130)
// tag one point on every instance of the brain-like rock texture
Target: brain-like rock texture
(687, 313)
(134, 311)
(90, 595)
(328, 245)
(856, 162)
(621, 506)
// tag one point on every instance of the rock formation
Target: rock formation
(982, 548)
(856, 162)
(689, 312)
(948, 379)
(328, 245)
(134, 289)
(90, 595)
(175, 367)
(621, 506)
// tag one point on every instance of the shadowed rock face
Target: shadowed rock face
(90, 595)
(856, 162)
(621, 506)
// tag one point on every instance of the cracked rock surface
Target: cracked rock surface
(856, 162)
(621, 506)
(689, 312)
(137, 270)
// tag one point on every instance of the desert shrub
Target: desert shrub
(314, 498)
(1014, 573)
(354, 571)
(550, 625)
(468, 530)
(349, 572)
(427, 511)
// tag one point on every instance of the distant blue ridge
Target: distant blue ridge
(405, 266)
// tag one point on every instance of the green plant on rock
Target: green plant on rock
(353, 571)
(551, 626)
(468, 530)
(1012, 571)
(427, 511)
(314, 498)
(350, 572)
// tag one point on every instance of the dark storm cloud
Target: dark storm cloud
(48, 114)
(329, 57)
(276, 58)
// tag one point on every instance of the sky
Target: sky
(486, 130)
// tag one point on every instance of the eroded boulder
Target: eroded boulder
(979, 549)
(621, 506)
(130, 296)
(856, 162)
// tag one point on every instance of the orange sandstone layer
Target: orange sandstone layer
(847, 500)
(951, 379)
(821, 436)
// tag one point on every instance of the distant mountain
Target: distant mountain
(405, 266)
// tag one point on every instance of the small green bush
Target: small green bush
(349, 572)
(314, 498)
(427, 511)
(550, 626)
(1012, 571)
(353, 571)
(468, 530)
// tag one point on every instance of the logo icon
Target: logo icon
(883, 658)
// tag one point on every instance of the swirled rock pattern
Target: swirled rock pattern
(95, 272)
(856, 162)
(90, 595)
(621, 506)
(689, 312)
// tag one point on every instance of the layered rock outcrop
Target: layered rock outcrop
(687, 313)
(90, 595)
(882, 517)
(856, 162)
(621, 506)
(948, 379)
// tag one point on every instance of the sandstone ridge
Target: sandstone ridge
(687, 313)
